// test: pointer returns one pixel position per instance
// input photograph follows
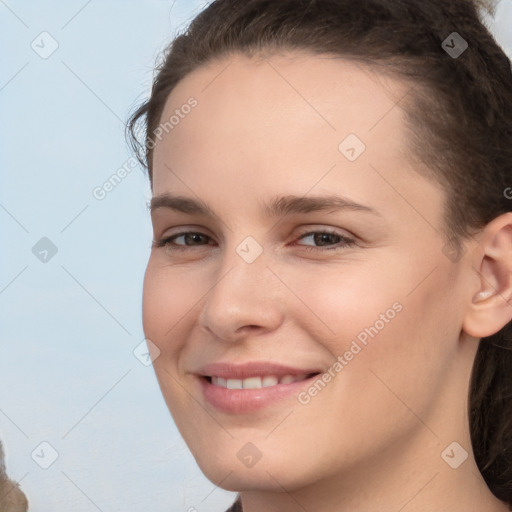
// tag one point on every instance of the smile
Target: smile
(249, 395)
(256, 382)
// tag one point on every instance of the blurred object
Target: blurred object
(12, 498)
(488, 5)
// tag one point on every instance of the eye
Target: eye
(325, 238)
(188, 236)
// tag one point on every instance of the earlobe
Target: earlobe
(491, 305)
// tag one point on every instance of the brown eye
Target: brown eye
(326, 239)
(190, 239)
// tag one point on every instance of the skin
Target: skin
(372, 439)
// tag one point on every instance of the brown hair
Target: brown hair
(459, 118)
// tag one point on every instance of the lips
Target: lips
(247, 388)
(229, 370)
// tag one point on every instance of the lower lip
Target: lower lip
(240, 401)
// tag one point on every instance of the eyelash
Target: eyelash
(347, 242)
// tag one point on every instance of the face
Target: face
(345, 277)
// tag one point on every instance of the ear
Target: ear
(491, 305)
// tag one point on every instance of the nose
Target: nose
(246, 299)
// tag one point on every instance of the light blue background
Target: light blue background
(68, 327)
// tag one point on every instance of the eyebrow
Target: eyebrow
(277, 206)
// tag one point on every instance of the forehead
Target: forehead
(276, 90)
(291, 74)
(297, 80)
(240, 96)
(281, 121)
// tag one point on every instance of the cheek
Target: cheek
(340, 301)
(167, 304)
(168, 300)
(382, 320)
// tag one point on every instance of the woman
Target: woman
(328, 291)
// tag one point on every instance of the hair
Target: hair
(458, 116)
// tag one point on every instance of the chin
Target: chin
(246, 480)
(270, 475)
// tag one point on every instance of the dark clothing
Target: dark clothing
(237, 505)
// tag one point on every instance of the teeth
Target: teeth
(269, 380)
(234, 384)
(256, 382)
(251, 383)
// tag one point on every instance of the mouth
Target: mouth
(249, 395)
(257, 382)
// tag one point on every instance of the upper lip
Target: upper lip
(229, 370)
